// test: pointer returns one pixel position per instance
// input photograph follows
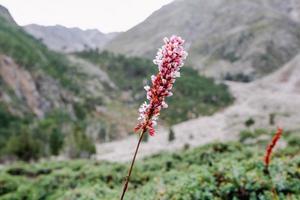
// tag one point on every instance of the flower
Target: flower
(169, 60)
(267, 158)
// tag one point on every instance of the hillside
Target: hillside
(269, 102)
(286, 79)
(227, 39)
(263, 104)
(64, 104)
(50, 103)
(5, 14)
(202, 94)
(63, 39)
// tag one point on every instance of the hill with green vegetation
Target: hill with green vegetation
(215, 171)
(194, 95)
(47, 105)
(53, 104)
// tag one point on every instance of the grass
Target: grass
(215, 171)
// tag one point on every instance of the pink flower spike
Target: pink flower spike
(169, 60)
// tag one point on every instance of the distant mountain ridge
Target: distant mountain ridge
(223, 36)
(5, 14)
(63, 39)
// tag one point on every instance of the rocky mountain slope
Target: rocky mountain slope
(225, 37)
(5, 14)
(268, 102)
(271, 101)
(63, 39)
(38, 84)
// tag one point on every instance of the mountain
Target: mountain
(65, 103)
(5, 14)
(63, 39)
(226, 38)
(268, 102)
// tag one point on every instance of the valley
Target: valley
(69, 100)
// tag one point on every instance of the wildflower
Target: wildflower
(267, 158)
(169, 60)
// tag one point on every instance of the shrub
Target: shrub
(24, 146)
(56, 142)
(249, 122)
(79, 145)
(171, 135)
(240, 77)
(216, 171)
(272, 118)
(247, 134)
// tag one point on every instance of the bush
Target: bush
(247, 134)
(78, 145)
(240, 77)
(24, 146)
(56, 142)
(8, 123)
(249, 122)
(171, 135)
(215, 171)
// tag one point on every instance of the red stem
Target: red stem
(276, 137)
(132, 164)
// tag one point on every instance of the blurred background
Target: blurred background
(72, 77)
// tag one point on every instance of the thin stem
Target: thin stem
(132, 164)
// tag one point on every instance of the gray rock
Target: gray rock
(6, 14)
(63, 39)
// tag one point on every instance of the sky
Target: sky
(105, 15)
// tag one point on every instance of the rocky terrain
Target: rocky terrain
(270, 102)
(225, 38)
(63, 39)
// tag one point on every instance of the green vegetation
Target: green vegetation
(79, 145)
(194, 95)
(24, 146)
(249, 134)
(31, 139)
(213, 172)
(28, 138)
(249, 122)
(240, 77)
(171, 135)
(129, 74)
